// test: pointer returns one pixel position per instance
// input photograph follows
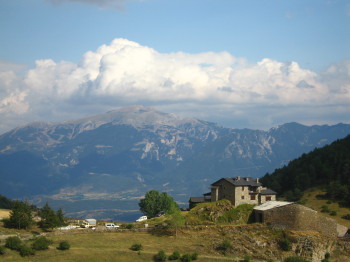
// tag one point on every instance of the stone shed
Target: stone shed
(281, 215)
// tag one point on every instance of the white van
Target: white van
(143, 218)
(111, 225)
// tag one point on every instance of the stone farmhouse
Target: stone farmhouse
(239, 190)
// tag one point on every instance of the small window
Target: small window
(242, 188)
(268, 198)
(252, 197)
(242, 197)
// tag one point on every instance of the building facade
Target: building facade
(241, 190)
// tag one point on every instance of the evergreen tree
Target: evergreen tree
(20, 216)
(49, 218)
(60, 217)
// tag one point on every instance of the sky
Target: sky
(240, 63)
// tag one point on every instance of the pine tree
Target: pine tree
(20, 216)
(49, 218)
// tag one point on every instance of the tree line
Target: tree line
(327, 167)
(22, 216)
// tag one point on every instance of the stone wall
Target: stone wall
(298, 217)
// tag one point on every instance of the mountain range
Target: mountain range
(107, 162)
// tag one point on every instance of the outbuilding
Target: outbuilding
(282, 215)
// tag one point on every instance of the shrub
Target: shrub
(246, 259)
(136, 247)
(327, 255)
(64, 245)
(160, 256)
(129, 226)
(325, 209)
(26, 251)
(174, 256)
(285, 244)
(333, 213)
(295, 259)
(186, 258)
(346, 217)
(2, 250)
(13, 243)
(194, 256)
(41, 243)
(225, 245)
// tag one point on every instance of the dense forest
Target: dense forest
(327, 167)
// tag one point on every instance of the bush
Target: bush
(225, 245)
(129, 226)
(346, 217)
(13, 243)
(186, 258)
(2, 250)
(327, 255)
(325, 209)
(136, 247)
(194, 256)
(246, 259)
(26, 251)
(295, 259)
(41, 243)
(64, 245)
(333, 213)
(285, 244)
(160, 256)
(175, 255)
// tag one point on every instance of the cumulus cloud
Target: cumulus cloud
(206, 85)
(118, 4)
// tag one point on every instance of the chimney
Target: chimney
(247, 179)
(257, 180)
(238, 178)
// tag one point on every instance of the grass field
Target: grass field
(311, 199)
(116, 247)
(4, 213)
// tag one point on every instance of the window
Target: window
(252, 197)
(242, 188)
(268, 198)
(242, 197)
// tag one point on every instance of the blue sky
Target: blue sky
(241, 63)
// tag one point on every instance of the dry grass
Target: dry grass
(315, 203)
(116, 247)
(4, 213)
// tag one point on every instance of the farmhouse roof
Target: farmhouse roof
(240, 181)
(272, 204)
(267, 191)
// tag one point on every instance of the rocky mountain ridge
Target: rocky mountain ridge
(122, 154)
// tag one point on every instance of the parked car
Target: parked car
(143, 218)
(111, 225)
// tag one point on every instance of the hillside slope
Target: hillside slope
(328, 167)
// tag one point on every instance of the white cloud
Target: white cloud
(213, 86)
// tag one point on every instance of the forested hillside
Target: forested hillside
(328, 167)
